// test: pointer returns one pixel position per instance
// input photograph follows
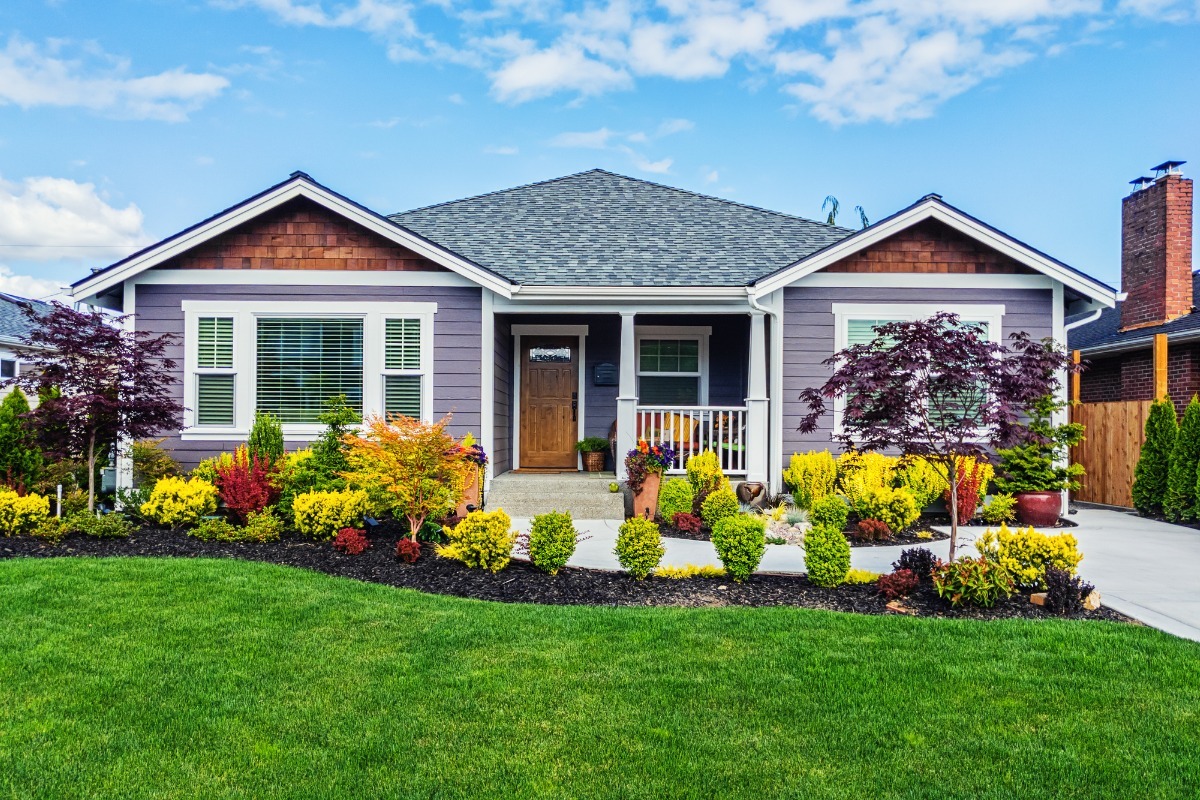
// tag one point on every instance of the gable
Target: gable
(930, 247)
(301, 235)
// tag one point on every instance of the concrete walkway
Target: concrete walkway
(1144, 569)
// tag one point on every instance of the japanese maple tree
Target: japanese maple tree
(937, 388)
(99, 384)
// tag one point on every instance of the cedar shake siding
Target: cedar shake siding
(808, 339)
(456, 326)
(930, 246)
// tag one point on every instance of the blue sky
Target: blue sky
(122, 122)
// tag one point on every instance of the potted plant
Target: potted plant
(592, 449)
(645, 465)
(476, 459)
(1036, 471)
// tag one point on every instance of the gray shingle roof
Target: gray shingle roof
(1106, 330)
(13, 322)
(597, 228)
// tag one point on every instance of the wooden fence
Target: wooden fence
(1109, 453)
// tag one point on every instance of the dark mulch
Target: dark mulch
(521, 582)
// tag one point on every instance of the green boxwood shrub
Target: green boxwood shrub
(1002, 508)
(1154, 464)
(831, 511)
(552, 539)
(639, 547)
(675, 497)
(895, 508)
(826, 556)
(717, 506)
(740, 541)
(483, 540)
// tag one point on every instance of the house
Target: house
(15, 326)
(1158, 303)
(548, 312)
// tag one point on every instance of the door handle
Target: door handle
(574, 406)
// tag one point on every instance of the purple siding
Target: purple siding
(808, 339)
(501, 454)
(457, 340)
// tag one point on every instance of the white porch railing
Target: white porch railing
(693, 429)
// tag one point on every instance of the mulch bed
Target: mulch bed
(521, 582)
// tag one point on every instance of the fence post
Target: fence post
(1160, 366)
(1074, 396)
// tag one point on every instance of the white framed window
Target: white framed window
(8, 368)
(288, 358)
(854, 323)
(672, 365)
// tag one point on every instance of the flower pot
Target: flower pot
(1039, 509)
(593, 462)
(470, 495)
(645, 502)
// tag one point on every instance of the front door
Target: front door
(549, 401)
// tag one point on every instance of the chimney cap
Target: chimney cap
(1168, 168)
(1141, 183)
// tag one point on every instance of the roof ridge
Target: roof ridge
(492, 193)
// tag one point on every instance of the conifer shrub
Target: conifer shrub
(21, 460)
(740, 542)
(639, 547)
(552, 540)
(483, 540)
(895, 508)
(177, 503)
(830, 511)
(266, 438)
(810, 477)
(1179, 505)
(826, 556)
(22, 514)
(718, 505)
(675, 497)
(321, 515)
(1154, 464)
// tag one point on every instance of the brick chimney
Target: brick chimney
(1156, 248)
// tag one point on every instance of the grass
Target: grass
(200, 678)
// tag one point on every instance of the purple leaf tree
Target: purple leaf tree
(99, 384)
(937, 388)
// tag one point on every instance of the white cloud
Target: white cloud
(712, 176)
(560, 68)
(456, 99)
(29, 286)
(376, 16)
(661, 167)
(501, 150)
(591, 140)
(32, 75)
(55, 219)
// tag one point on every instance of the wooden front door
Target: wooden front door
(549, 401)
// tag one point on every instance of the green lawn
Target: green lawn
(179, 678)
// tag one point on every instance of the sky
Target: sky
(125, 121)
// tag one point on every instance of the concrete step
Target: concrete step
(584, 495)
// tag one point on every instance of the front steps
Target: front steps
(584, 494)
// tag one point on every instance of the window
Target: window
(216, 379)
(403, 376)
(302, 362)
(8, 368)
(672, 366)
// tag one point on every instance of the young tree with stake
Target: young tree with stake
(936, 388)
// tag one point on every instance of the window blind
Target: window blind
(214, 343)
(402, 344)
(302, 362)
(402, 395)
(214, 400)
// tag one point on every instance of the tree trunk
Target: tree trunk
(953, 508)
(91, 462)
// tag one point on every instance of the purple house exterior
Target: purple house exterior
(589, 305)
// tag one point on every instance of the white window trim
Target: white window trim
(700, 333)
(991, 313)
(245, 315)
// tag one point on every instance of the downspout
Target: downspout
(1067, 328)
(774, 447)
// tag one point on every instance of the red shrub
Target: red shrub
(688, 523)
(408, 551)
(872, 530)
(900, 583)
(247, 485)
(351, 541)
(970, 474)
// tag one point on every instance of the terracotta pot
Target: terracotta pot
(470, 494)
(593, 462)
(1039, 509)
(645, 502)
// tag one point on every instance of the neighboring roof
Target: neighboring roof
(598, 228)
(14, 324)
(1105, 333)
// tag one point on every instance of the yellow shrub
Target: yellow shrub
(861, 472)
(983, 469)
(1026, 553)
(925, 481)
(893, 507)
(176, 502)
(22, 514)
(484, 540)
(811, 476)
(322, 514)
(861, 576)
(689, 571)
(207, 469)
(705, 474)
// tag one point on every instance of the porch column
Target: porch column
(626, 395)
(757, 450)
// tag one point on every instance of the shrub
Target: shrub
(552, 539)
(208, 468)
(639, 547)
(215, 529)
(688, 523)
(675, 497)
(266, 438)
(151, 463)
(408, 551)
(895, 508)
(98, 526)
(972, 581)
(176, 502)
(51, 530)
(704, 473)
(20, 457)
(484, 540)
(922, 479)
(740, 543)
(1064, 593)
(830, 511)
(1180, 501)
(1003, 508)
(973, 478)
(322, 514)
(263, 526)
(351, 541)
(1154, 464)
(247, 484)
(872, 530)
(900, 583)
(826, 556)
(22, 514)
(1025, 554)
(859, 577)
(810, 477)
(718, 505)
(917, 560)
(861, 472)
(688, 571)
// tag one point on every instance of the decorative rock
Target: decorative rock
(1038, 598)
(1092, 601)
(899, 608)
